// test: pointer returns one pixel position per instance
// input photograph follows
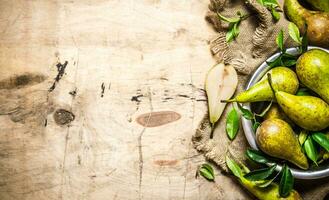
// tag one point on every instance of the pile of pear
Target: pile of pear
(275, 136)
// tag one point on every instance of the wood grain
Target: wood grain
(124, 59)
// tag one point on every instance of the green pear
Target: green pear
(317, 22)
(308, 112)
(271, 192)
(268, 193)
(283, 78)
(275, 112)
(276, 138)
(312, 69)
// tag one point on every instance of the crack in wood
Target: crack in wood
(60, 72)
(140, 147)
(192, 118)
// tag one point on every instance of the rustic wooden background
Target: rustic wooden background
(117, 121)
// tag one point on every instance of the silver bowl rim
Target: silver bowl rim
(317, 173)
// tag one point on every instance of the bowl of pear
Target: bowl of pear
(291, 107)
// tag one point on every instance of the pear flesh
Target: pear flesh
(308, 112)
(276, 138)
(312, 69)
(284, 79)
(221, 82)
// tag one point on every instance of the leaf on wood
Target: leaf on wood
(294, 33)
(232, 123)
(234, 167)
(279, 40)
(207, 172)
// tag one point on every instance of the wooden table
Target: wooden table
(78, 137)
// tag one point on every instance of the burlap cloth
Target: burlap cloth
(254, 44)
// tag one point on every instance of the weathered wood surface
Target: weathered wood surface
(124, 58)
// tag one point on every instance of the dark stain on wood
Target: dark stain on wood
(73, 92)
(63, 117)
(136, 98)
(103, 90)
(166, 162)
(60, 73)
(155, 119)
(22, 80)
(183, 95)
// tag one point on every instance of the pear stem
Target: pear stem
(269, 78)
(228, 101)
(212, 131)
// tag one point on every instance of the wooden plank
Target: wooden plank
(125, 59)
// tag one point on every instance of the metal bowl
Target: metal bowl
(316, 173)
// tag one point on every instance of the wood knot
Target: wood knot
(166, 162)
(63, 117)
(154, 119)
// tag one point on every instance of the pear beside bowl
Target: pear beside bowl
(316, 173)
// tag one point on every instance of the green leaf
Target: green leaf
(289, 63)
(236, 29)
(275, 14)
(255, 126)
(279, 40)
(260, 174)
(230, 35)
(294, 33)
(229, 20)
(321, 139)
(275, 63)
(271, 3)
(245, 112)
(288, 60)
(303, 92)
(267, 183)
(257, 156)
(302, 137)
(207, 171)
(245, 169)
(286, 182)
(234, 167)
(310, 150)
(268, 3)
(233, 29)
(304, 41)
(232, 123)
(262, 114)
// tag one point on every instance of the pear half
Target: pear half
(221, 82)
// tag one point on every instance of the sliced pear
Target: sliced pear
(221, 83)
